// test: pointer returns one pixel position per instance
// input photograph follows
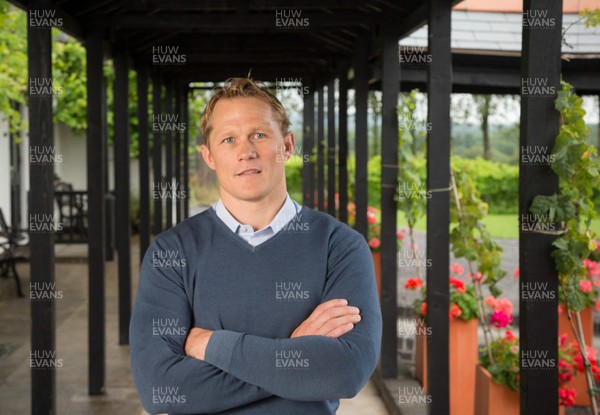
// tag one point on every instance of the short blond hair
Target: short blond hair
(243, 88)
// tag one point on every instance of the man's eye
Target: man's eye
(228, 140)
(259, 135)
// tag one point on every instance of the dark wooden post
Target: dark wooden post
(142, 92)
(538, 322)
(343, 143)
(390, 82)
(157, 154)
(169, 154)
(109, 237)
(321, 148)
(308, 140)
(361, 90)
(186, 157)
(439, 87)
(96, 166)
(331, 167)
(41, 192)
(177, 135)
(123, 211)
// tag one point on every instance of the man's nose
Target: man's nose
(246, 150)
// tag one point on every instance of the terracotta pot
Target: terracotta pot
(587, 321)
(494, 399)
(463, 355)
(377, 264)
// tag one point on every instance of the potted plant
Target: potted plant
(463, 346)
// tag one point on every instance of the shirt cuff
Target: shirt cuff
(219, 349)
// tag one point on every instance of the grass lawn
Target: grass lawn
(500, 226)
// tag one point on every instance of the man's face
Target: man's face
(247, 149)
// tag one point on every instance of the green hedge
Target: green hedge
(497, 182)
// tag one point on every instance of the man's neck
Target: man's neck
(257, 214)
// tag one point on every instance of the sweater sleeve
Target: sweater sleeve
(314, 368)
(166, 379)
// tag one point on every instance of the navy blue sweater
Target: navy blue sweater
(200, 274)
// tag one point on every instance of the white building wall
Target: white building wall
(5, 168)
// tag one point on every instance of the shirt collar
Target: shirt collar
(285, 214)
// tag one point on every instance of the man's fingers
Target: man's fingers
(333, 313)
(335, 323)
(338, 302)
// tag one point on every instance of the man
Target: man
(257, 305)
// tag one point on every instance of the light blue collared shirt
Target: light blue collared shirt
(287, 212)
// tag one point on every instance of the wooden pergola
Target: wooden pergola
(353, 41)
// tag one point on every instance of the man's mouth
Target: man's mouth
(249, 172)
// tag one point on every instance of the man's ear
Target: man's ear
(207, 156)
(288, 143)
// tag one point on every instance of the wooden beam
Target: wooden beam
(177, 158)
(389, 179)
(169, 154)
(41, 207)
(439, 85)
(361, 87)
(343, 142)
(331, 156)
(186, 157)
(321, 148)
(96, 165)
(156, 154)
(308, 142)
(142, 93)
(123, 205)
(538, 320)
(240, 23)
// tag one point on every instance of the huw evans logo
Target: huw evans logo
(167, 395)
(168, 327)
(415, 126)
(167, 258)
(538, 18)
(413, 259)
(43, 223)
(414, 327)
(537, 359)
(537, 223)
(537, 88)
(43, 87)
(168, 191)
(291, 83)
(413, 396)
(413, 56)
(290, 359)
(44, 359)
(282, 155)
(168, 55)
(413, 190)
(537, 155)
(44, 291)
(44, 19)
(290, 19)
(44, 155)
(290, 291)
(537, 291)
(167, 123)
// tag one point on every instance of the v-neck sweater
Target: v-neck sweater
(200, 274)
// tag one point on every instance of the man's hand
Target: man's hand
(332, 318)
(196, 342)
